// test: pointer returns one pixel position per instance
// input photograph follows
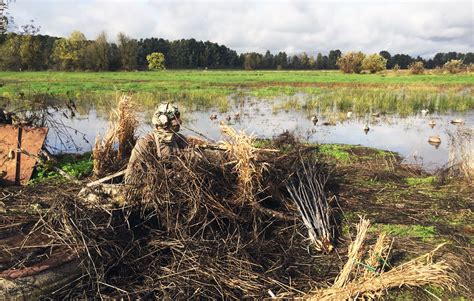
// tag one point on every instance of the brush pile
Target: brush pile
(201, 224)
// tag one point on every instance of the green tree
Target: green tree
(351, 62)
(128, 51)
(156, 61)
(334, 55)
(3, 19)
(374, 63)
(385, 54)
(281, 60)
(31, 54)
(304, 61)
(9, 50)
(70, 53)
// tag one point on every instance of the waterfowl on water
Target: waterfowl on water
(424, 112)
(329, 122)
(457, 121)
(314, 119)
(434, 140)
(237, 115)
(366, 129)
(228, 118)
(432, 123)
(213, 116)
(349, 114)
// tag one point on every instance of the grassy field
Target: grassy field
(391, 92)
(219, 81)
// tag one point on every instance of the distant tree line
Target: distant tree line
(31, 51)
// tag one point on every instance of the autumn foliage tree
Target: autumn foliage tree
(70, 53)
(374, 63)
(453, 66)
(417, 68)
(351, 62)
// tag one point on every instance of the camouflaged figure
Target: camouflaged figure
(161, 142)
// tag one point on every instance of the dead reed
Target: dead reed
(368, 279)
(239, 147)
(308, 193)
(111, 152)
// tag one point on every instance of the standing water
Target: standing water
(407, 136)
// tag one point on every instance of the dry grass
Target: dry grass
(354, 254)
(355, 282)
(104, 153)
(239, 147)
(126, 127)
(111, 152)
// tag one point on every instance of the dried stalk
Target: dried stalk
(105, 156)
(307, 191)
(354, 282)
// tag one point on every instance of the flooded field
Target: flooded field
(266, 118)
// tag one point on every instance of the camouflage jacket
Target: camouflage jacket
(156, 144)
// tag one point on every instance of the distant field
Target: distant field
(216, 82)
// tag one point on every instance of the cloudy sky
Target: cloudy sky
(414, 27)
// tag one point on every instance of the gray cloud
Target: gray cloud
(413, 27)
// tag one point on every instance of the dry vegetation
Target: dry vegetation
(369, 278)
(112, 151)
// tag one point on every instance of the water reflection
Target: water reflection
(410, 136)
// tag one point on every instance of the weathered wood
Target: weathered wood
(107, 178)
(41, 284)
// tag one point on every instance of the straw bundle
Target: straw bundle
(415, 273)
(355, 282)
(103, 154)
(106, 156)
(239, 147)
(378, 254)
(354, 254)
(126, 127)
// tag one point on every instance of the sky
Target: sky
(412, 27)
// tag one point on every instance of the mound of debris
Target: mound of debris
(207, 224)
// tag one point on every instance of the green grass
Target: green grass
(421, 181)
(336, 151)
(78, 167)
(316, 91)
(146, 81)
(425, 233)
